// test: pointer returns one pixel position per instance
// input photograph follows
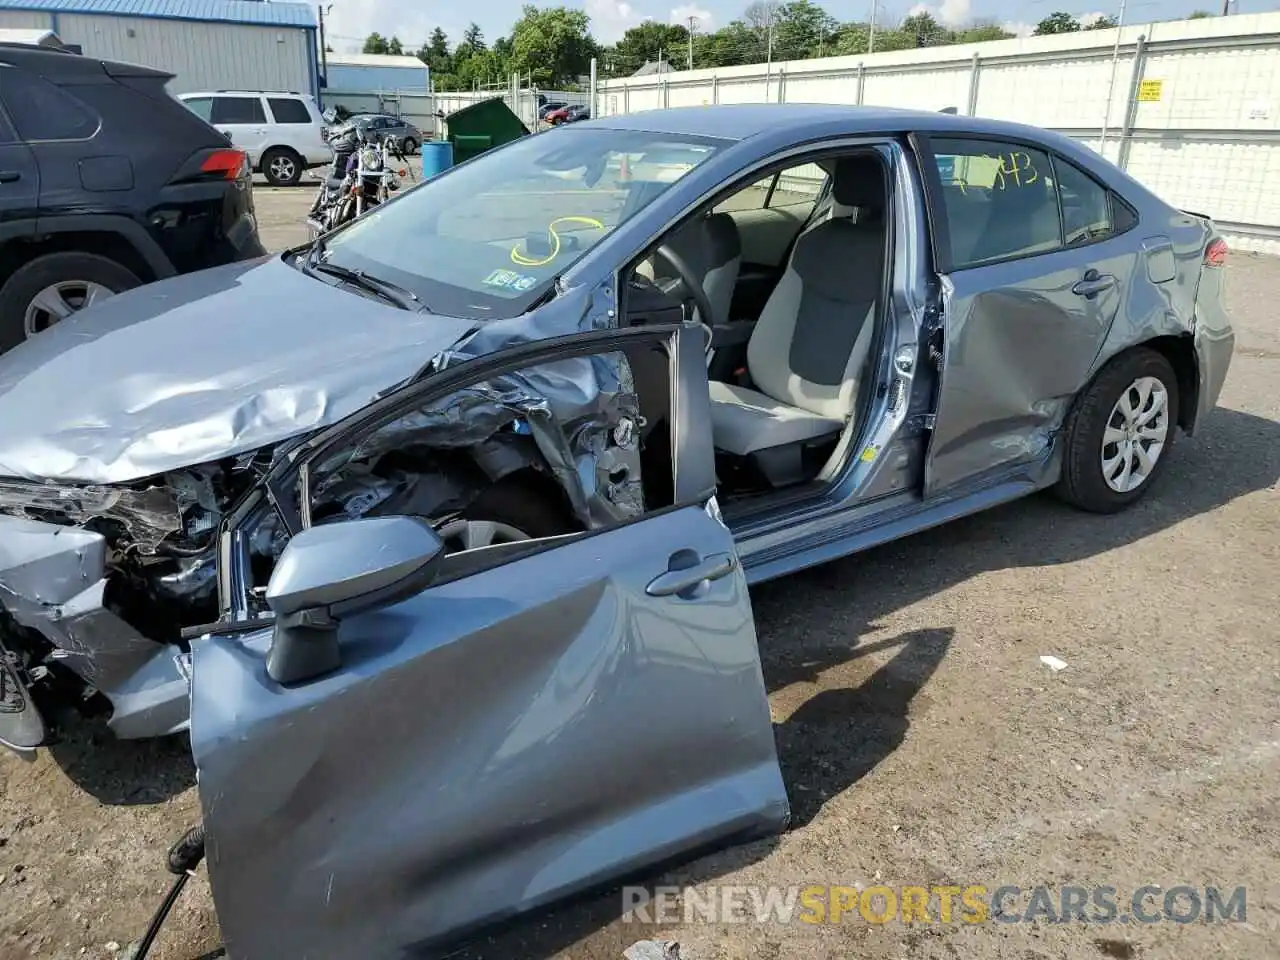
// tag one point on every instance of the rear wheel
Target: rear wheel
(1120, 433)
(282, 167)
(53, 287)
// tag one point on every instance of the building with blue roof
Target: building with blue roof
(205, 44)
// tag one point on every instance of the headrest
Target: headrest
(859, 181)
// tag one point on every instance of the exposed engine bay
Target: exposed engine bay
(110, 603)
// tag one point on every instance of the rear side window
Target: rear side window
(238, 110)
(42, 111)
(288, 110)
(202, 107)
(1000, 200)
(1086, 206)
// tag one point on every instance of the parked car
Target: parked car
(385, 126)
(283, 133)
(550, 106)
(105, 184)
(465, 491)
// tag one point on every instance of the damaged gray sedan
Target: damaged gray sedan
(436, 533)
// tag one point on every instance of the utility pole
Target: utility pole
(1111, 88)
(693, 23)
(871, 33)
(768, 56)
(324, 59)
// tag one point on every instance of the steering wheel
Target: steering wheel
(699, 296)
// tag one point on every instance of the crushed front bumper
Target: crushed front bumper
(52, 581)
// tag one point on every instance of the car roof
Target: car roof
(244, 93)
(742, 121)
(53, 62)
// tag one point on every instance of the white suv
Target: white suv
(283, 133)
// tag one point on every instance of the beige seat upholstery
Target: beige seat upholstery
(808, 349)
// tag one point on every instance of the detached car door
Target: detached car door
(1034, 270)
(488, 731)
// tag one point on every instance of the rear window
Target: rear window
(288, 110)
(42, 111)
(238, 110)
(202, 107)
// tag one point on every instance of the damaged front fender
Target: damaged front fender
(53, 587)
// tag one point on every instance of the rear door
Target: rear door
(542, 717)
(19, 180)
(244, 120)
(1035, 266)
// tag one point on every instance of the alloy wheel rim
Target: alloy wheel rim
(1135, 435)
(464, 534)
(282, 168)
(59, 301)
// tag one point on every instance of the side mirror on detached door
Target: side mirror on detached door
(335, 570)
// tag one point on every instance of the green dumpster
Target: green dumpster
(474, 129)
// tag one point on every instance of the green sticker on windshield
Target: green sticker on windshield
(510, 280)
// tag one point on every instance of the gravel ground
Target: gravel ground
(922, 739)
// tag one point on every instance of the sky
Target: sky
(349, 21)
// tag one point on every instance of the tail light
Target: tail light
(213, 163)
(1215, 254)
(226, 164)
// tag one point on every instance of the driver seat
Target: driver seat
(808, 349)
(710, 245)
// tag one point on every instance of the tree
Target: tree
(394, 47)
(646, 43)
(1199, 15)
(375, 43)
(1058, 22)
(981, 33)
(552, 44)
(925, 30)
(435, 54)
(472, 38)
(1103, 23)
(800, 28)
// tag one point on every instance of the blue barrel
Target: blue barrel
(437, 157)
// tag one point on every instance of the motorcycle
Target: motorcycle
(361, 176)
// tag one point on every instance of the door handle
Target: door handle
(1093, 284)
(686, 572)
(9, 176)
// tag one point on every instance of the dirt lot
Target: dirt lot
(922, 739)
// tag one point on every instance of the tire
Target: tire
(1090, 456)
(76, 273)
(519, 510)
(282, 167)
(409, 145)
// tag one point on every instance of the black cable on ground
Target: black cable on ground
(184, 857)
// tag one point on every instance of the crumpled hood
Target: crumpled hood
(199, 367)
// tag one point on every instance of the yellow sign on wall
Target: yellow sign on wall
(1149, 91)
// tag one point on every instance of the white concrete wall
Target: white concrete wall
(202, 56)
(1210, 143)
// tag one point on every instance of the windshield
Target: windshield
(487, 240)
